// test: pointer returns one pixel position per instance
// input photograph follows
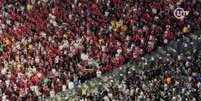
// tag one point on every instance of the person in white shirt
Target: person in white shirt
(70, 84)
(52, 93)
(64, 88)
(98, 73)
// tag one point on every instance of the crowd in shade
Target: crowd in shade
(171, 78)
(48, 46)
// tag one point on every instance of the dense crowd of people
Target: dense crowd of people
(47, 46)
(171, 78)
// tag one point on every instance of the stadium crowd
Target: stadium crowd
(171, 78)
(47, 46)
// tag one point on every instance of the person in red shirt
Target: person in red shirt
(121, 60)
(169, 35)
(108, 67)
(36, 78)
(136, 37)
(95, 9)
(14, 15)
(117, 2)
(137, 52)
